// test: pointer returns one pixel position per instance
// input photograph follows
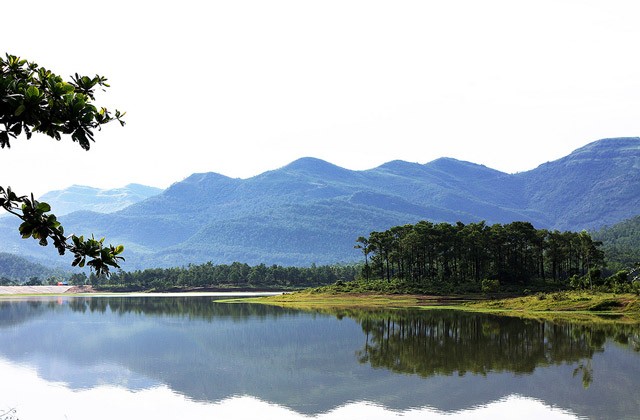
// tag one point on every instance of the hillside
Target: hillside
(20, 269)
(596, 185)
(312, 211)
(621, 243)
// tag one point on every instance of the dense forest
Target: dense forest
(235, 275)
(445, 257)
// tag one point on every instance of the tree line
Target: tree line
(235, 275)
(441, 254)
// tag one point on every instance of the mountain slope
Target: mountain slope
(19, 269)
(596, 185)
(312, 211)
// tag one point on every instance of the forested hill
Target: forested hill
(313, 211)
(621, 243)
(20, 270)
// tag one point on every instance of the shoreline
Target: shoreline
(35, 290)
(571, 306)
(87, 290)
(568, 305)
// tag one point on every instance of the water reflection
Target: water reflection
(313, 363)
(447, 342)
(108, 402)
(18, 310)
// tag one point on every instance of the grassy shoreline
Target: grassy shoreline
(569, 305)
(578, 306)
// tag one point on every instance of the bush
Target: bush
(34, 281)
(490, 285)
(621, 277)
(594, 276)
(559, 296)
(579, 283)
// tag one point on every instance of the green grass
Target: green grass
(572, 301)
(308, 299)
(576, 306)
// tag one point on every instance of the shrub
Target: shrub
(559, 296)
(620, 277)
(576, 282)
(490, 285)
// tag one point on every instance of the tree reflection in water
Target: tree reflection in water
(445, 342)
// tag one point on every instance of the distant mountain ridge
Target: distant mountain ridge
(312, 211)
(80, 197)
(596, 185)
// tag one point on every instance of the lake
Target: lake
(189, 357)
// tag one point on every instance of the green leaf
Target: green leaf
(33, 92)
(64, 87)
(43, 207)
(19, 110)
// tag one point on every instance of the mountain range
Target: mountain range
(312, 211)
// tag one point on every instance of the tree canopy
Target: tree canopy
(35, 100)
(443, 255)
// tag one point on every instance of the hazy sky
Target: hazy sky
(239, 87)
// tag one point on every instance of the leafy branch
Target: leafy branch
(39, 224)
(35, 100)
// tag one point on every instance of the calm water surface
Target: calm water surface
(188, 357)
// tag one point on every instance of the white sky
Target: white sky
(239, 87)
